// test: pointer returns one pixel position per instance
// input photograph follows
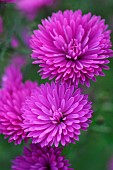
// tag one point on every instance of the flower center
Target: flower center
(57, 116)
(73, 49)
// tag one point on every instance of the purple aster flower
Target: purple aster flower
(72, 47)
(46, 158)
(11, 100)
(55, 113)
(30, 8)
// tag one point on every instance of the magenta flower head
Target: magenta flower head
(31, 7)
(46, 158)
(55, 113)
(72, 47)
(11, 100)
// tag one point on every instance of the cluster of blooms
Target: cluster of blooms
(54, 113)
(72, 48)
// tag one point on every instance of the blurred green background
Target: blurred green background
(95, 147)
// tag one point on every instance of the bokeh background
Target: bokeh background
(95, 148)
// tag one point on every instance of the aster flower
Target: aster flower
(30, 8)
(11, 100)
(55, 113)
(72, 47)
(46, 158)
